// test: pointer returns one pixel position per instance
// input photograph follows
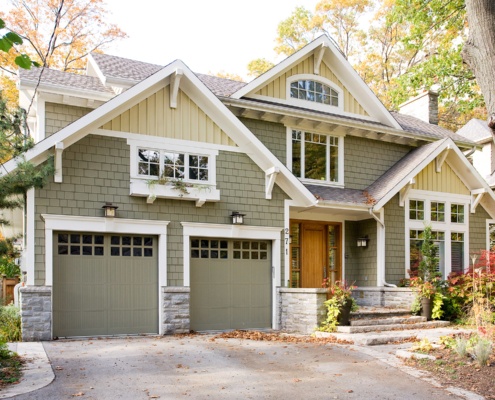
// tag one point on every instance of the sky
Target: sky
(209, 36)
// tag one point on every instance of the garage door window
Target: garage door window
(131, 246)
(205, 248)
(73, 244)
(248, 250)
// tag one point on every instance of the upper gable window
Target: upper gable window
(310, 90)
(314, 91)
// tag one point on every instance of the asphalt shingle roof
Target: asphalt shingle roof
(70, 80)
(476, 130)
(382, 186)
(135, 71)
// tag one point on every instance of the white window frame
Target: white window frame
(488, 223)
(200, 191)
(444, 226)
(340, 155)
(314, 104)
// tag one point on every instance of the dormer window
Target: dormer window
(310, 90)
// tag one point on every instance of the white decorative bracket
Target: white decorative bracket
(200, 201)
(318, 58)
(151, 198)
(270, 177)
(476, 196)
(405, 191)
(174, 87)
(59, 149)
(441, 159)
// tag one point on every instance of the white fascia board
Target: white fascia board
(65, 90)
(84, 125)
(93, 69)
(359, 89)
(244, 138)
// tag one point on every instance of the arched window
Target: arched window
(306, 89)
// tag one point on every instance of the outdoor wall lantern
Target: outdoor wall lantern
(110, 210)
(237, 218)
(362, 242)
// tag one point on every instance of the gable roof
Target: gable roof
(380, 192)
(195, 89)
(123, 70)
(340, 67)
(476, 130)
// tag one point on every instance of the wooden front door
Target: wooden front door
(315, 253)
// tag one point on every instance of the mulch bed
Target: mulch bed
(452, 370)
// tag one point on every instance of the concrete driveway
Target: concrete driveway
(201, 367)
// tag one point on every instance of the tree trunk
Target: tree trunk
(479, 50)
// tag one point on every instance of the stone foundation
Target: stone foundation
(36, 313)
(301, 310)
(175, 309)
(384, 297)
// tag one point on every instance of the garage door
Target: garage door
(230, 284)
(104, 284)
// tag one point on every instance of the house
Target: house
(328, 183)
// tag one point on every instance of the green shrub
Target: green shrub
(10, 324)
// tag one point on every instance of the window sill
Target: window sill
(198, 193)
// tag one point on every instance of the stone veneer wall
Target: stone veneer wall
(384, 297)
(301, 310)
(36, 313)
(175, 309)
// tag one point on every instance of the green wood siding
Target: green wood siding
(395, 241)
(58, 116)
(477, 229)
(366, 160)
(96, 170)
(360, 262)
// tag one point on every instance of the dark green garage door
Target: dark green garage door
(104, 284)
(230, 284)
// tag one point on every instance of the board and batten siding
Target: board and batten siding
(277, 87)
(445, 181)
(360, 262)
(96, 170)
(154, 117)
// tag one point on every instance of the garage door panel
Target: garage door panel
(225, 290)
(104, 284)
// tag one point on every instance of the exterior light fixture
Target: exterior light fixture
(110, 210)
(362, 242)
(237, 218)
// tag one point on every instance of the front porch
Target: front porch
(301, 310)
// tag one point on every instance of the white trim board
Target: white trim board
(108, 225)
(236, 232)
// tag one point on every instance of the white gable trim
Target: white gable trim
(342, 69)
(460, 165)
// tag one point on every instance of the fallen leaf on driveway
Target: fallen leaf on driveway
(79, 394)
(296, 380)
(57, 368)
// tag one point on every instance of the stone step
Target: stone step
(410, 319)
(379, 312)
(391, 327)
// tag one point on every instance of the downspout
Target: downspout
(381, 250)
(470, 152)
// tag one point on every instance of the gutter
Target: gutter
(381, 257)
